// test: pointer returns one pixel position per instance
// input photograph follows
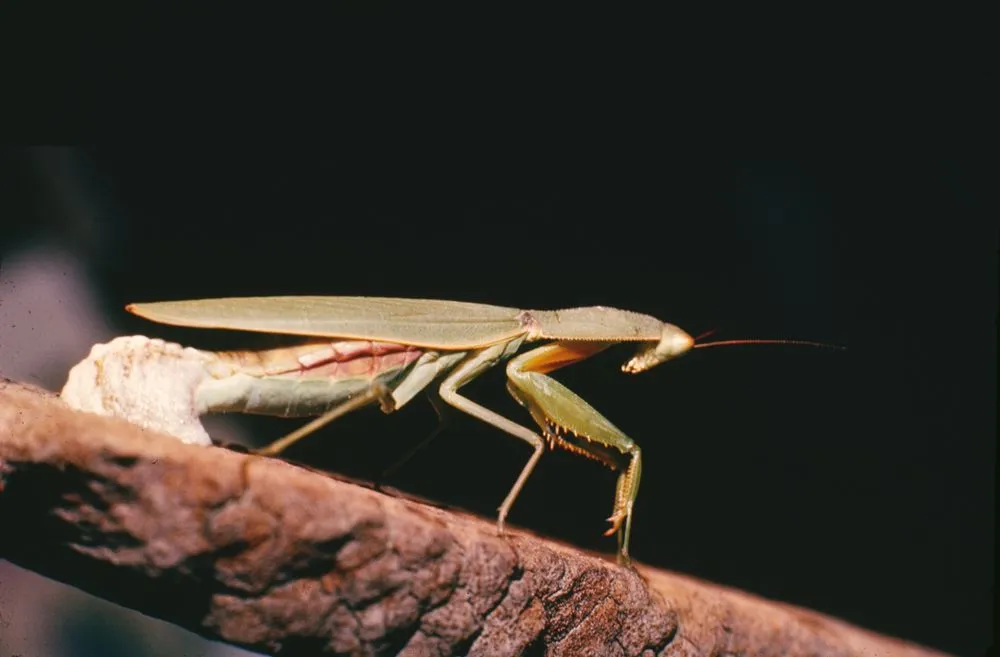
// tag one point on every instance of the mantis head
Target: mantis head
(673, 342)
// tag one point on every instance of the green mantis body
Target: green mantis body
(388, 349)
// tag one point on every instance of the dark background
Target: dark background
(830, 202)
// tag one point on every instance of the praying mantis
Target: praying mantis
(365, 350)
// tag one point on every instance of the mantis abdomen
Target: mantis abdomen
(303, 380)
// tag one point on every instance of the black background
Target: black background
(824, 189)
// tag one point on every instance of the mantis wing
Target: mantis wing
(428, 323)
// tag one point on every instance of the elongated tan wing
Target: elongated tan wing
(445, 325)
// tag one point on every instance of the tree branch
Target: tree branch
(280, 559)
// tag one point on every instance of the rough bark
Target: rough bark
(284, 560)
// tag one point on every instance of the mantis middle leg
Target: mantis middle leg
(466, 371)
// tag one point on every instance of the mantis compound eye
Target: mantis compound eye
(673, 342)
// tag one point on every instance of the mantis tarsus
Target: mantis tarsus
(387, 350)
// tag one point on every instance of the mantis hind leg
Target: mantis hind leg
(469, 369)
(377, 392)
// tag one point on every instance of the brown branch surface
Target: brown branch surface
(284, 560)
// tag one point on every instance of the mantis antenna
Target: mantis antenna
(722, 343)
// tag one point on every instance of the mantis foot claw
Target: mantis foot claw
(502, 519)
(616, 521)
